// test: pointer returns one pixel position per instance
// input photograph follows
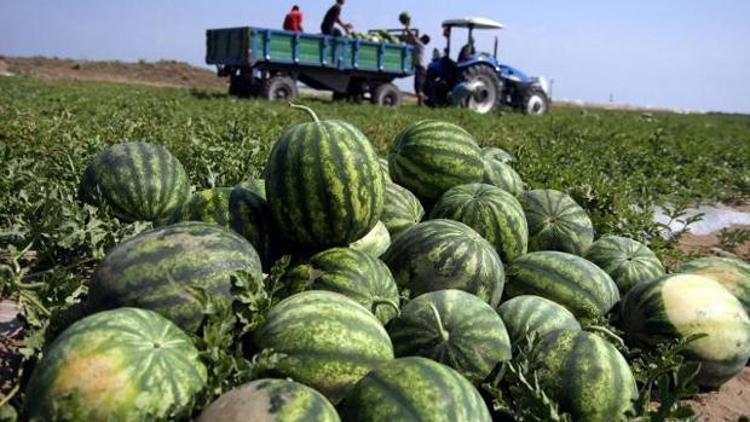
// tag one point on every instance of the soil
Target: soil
(729, 403)
(11, 330)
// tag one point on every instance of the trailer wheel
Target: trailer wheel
(280, 88)
(386, 95)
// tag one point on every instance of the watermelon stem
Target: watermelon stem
(444, 335)
(606, 332)
(386, 302)
(307, 109)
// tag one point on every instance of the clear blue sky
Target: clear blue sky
(691, 54)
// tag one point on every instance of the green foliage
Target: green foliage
(732, 239)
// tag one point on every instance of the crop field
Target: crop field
(618, 165)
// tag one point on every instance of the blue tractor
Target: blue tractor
(477, 80)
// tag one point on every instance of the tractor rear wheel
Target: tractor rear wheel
(535, 101)
(488, 89)
(279, 88)
(386, 95)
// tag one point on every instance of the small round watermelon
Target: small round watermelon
(445, 254)
(490, 211)
(525, 314)
(733, 274)
(401, 209)
(503, 176)
(430, 157)
(374, 243)
(556, 222)
(585, 375)
(454, 328)
(124, 364)
(579, 285)
(271, 400)
(414, 389)
(138, 180)
(627, 261)
(678, 306)
(355, 274)
(327, 341)
(497, 154)
(164, 269)
(324, 184)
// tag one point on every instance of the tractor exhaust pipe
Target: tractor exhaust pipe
(495, 48)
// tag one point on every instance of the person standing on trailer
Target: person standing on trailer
(293, 20)
(333, 17)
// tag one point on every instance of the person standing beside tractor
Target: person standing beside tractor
(293, 20)
(411, 36)
(333, 17)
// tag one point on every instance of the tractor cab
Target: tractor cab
(476, 79)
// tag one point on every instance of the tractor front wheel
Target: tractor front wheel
(535, 102)
(486, 88)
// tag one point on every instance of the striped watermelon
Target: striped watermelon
(579, 285)
(454, 328)
(525, 314)
(324, 184)
(270, 400)
(497, 154)
(627, 261)
(327, 341)
(139, 181)
(414, 389)
(354, 274)
(586, 376)
(162, 269)
(445, 254)
(490, 211)
(503, 176)
(731, 273)
(374, 243)
(556, 222)
(430, 157)
(401, 209)
(237, 208)
(255, 185)
(124, 364)
(384, 168)
(676, 306)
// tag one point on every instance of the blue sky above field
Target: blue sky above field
(689, 54)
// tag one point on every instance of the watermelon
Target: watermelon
(374, 243)
(627, 261)
(384, 168)
(237, 208)
(271, 400)
(585, 375)
(497, 154)
(324, 184)
(579, 285)
(354, 274)
(255, 185)
(528, 314)
(677, 306)
(490, 211)
(731, 273)
(414, 389)
(454, 328)
(124, 364)
(138, 180)
(163, 269)
(327, 341)
(556, 222)
(503, 176)
(401, 209)
(445, 254)
(430, 157)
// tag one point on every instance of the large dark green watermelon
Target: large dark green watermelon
(528, 314)
(585, 375)
(556, 222)
(270, 400)
(732, 273)
(627, 261)
(163, 269)
(401, 209)
(678, 306)
(138, 180)
(490, 211)
(455, 328)
(126, 364)
(430, 157)
(445, 254)
(327, 341)
(354, 274)
(324, 185)
(579, 285)
(414, 389)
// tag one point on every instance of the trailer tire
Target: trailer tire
(386, 95)
(490, 96)
(280, 88)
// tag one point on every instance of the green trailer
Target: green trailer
(268, 63)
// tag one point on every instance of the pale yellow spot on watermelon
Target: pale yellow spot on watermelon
(697, 304)
(727, 277)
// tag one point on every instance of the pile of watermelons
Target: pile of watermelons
(411, 282)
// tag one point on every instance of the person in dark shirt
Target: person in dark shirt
(333, 17)
(293, 20)
(467, 51)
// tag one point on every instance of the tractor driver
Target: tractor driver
(333, 17)
(467, 51)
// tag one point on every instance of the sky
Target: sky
(687, 54)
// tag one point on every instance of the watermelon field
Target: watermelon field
(176, 254)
